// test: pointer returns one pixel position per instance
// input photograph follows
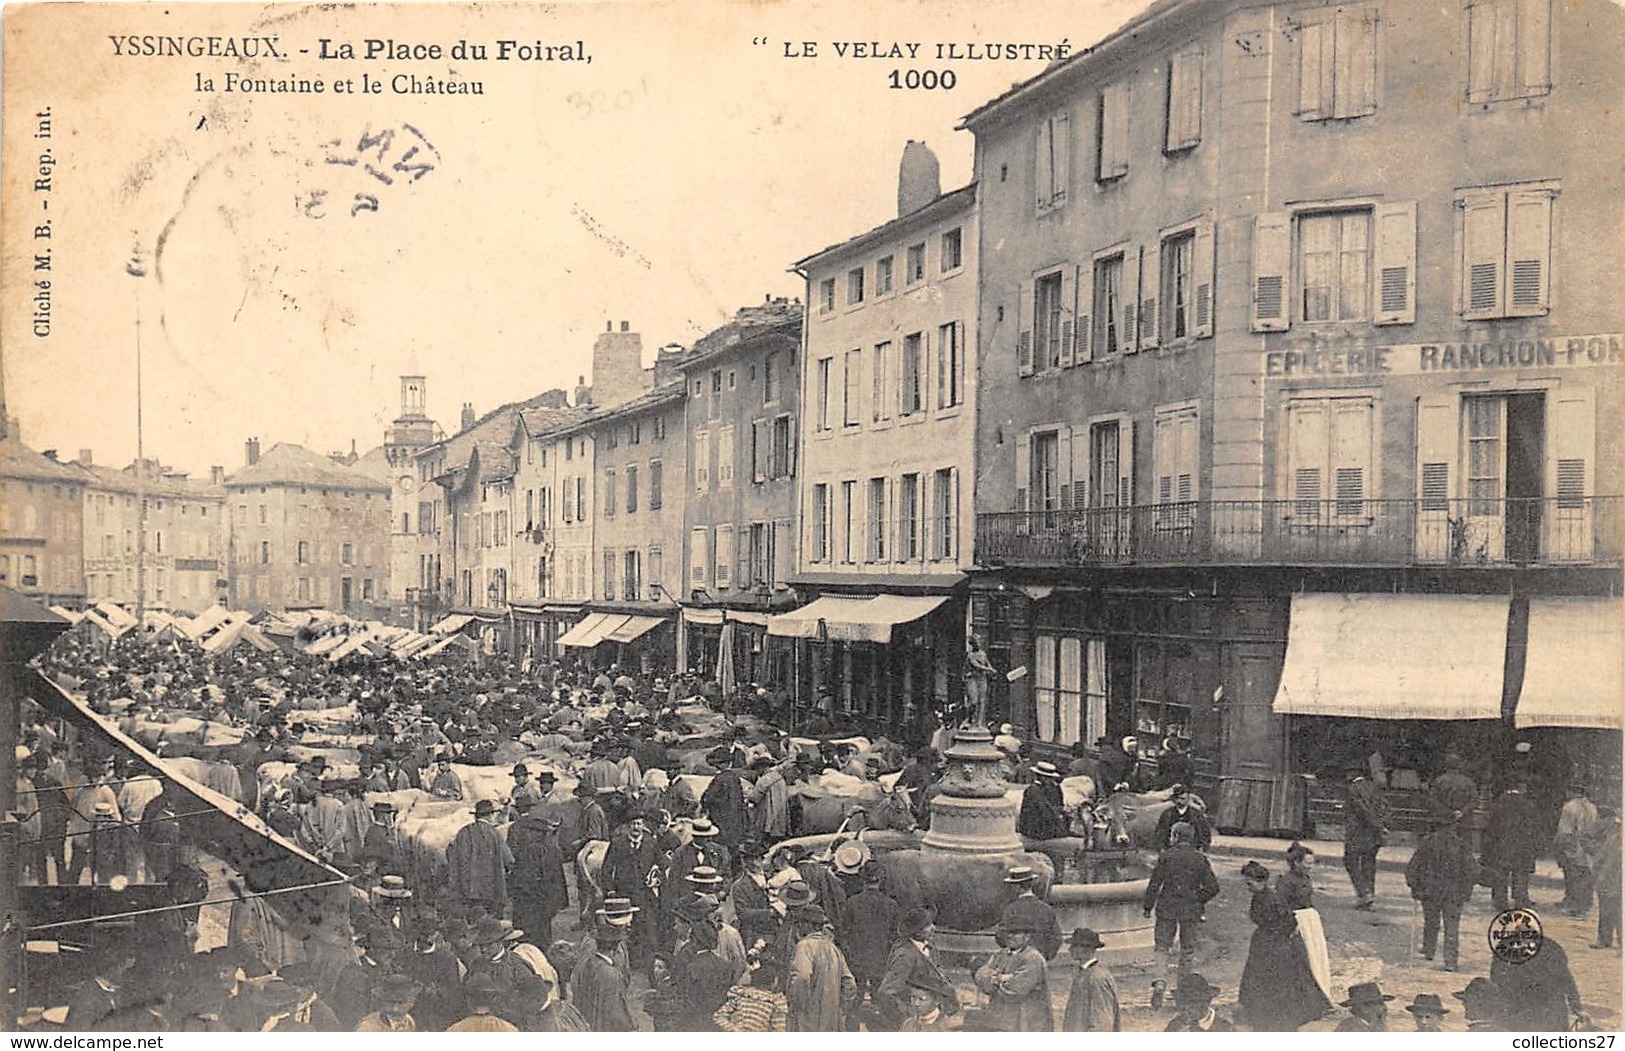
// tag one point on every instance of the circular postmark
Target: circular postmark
(1516, 935)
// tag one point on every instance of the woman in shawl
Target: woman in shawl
(1278, 990)
(1296, 887)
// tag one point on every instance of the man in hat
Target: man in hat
(818, 872)
(594, 823)
(819, 986)
(1365, 820)
(602, 773)
(1193, 1007)
(382, 840)
(752, 900)
(1181, 884)
(1441, 875)
(1368, 1009)
(928, 1009)
(1483, 1004)
(599, 989)
(916, 778)
(704, 847)
(1016, 981)
(1114, 764)
(394, 996)
(701, 974)
(909, 965)
(1092, 1005)
(632, 870)
(524, 789)
(445, 784)
(481, 992)
(1427, 1011)
(1183, 810)
(867, 929)
(434, 964)
(538, 885)
(1512, 839)
(1452, 790)
(677, 799)
(1174, 766)
(725, 803)
(1042, 809)
(478, 861)
(1031, 913)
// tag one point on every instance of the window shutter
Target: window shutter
(1272, 262)
(894, 522)
(1133, 260)
(942, 370)
(1436, 441)
(760, 446)
(1356, 47)
(1125, 463)
(1202, 281)
(725, 557)
(1119, 128)
(1163, 452)
(1186, 469)
(1481, 19)
(954, 547)
(1529, 245)
(1570, 481)
(1083, 301)
(1069, 312)
(1024, 468)
(702, 462)
(1150, 279)
(1306, 458)
(1535, 36)
(1314, 70)
(1063, 468)
(1483, 250)
(783, 550)
(1042, 187)
(742, 557)
(1080, 468)
(1350, 455)
(1024, 334)
(699, 558)
(790, 447)
(1396, 264)
(1061, 144)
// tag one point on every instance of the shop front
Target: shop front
(634, 638)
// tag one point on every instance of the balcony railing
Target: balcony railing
(1557, 531)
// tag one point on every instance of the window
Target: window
(612, 438)
(304, 589)
(1508, 49)
(659, 429)
(848, 520)
(1111, 473)
(725, 557)
(366, 589)
(950, 366)
(916, 263)
(880, 379)
(1112, 131)
(877, 520)
(826, 295)
(569, 450)
(883, 268)
(945, 515)
(265, 515)
(910, 393)
(1506, 253)
(1337, 63)
(702, 462)
(346, 554)
(158, 537)
(909, 507)
(632, 576)
(1064, 713)
(304, 552)
(1173, 456)
(631, 490)
(1045, 475)
(609, 494)
(716, 381)
(823, 395)
(242, 514)
(581, 498)
(854, 286)
(761, 561)
(566, 508)
(1049, 331)
(609, 575)
(725, 457)
(657, 567)
(1111, 318)
(1178, 273)
(1184, 116)
(657, 472)
(953, 250)
(783, 465)
(1053, 161)
(820, 523)
(1483, 431)
(1330, 457)
(699, 558)
(1334, 264)
(770, 379)
(852, 391)
(265, 552)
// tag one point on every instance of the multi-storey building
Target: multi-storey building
(306, 531)
(410, 545)
(41, 524)
(1295, 328)
(185, 542)
(742, 407)
(541, 591)
(887, 422)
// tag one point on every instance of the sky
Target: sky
(673, 179)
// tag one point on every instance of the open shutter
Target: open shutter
(783, 551)
(1202, 282)
(790, 448)
(1042, 187)
(1083, 298)
(1396, 264)
(1069, 313)
(1436, 445)
(1350, 463)
(1063, 468)
(893, 524)
(725, 558)
(1481, 20)
(1164, 451)
(1483, 249)
(1080, 468)
(1133, 260)
(1125, 463)
(1529, 246)
(1150, 281)
(1272, 262)
(1024, 469)
(1315, 70)
(1570, 482)
(1306, 459)
(1535, 33)
(1356, 47)
(1024, 330)
(1061, 150)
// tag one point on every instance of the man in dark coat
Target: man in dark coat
(1174, 766)
(1181, 884)
(1092, 1005)
(1183, 811)
(867, 928)
(537, 884)
(724, 803)
(909, 963)
(1042, 809)
(1608, 879)
(1441, 875)
(1365, 819)
(1540, 992)
(632, 870)
(1027, 911)
(917, 777)
(1513, 835)
(1452, 790)
(753, 902)
(478, 860)
(1115, 766)
(598, 989)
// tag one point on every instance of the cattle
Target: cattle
(832, 800)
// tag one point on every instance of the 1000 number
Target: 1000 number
(928, 79)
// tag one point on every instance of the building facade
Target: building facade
(41, 524)
(1251, 410)
(410, 546)
(185, 544)
(887, 425)
(540, 593)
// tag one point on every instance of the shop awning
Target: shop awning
(711, 618)
(1395, 656)
(447, 625)
(595, 628)
(1574, 672)
(853, 619)
(740, 616)
(634, 628)
(583, 627)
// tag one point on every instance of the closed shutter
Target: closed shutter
(699, 558)
(1151, 272)
(1083, 300)
(1350, 464)
(1437, 428)
(1483, 250)
(784, 551)
(725, 557)
(1133, 260)
(1164, 432)
(1306, 459)
(1570, 482)
(702, 462)
(1272, 263)
(1189, 450)
(1080, 468)
(742, 556)
(1396, 264)
(1202, 281)
(1024, 330)
(1529, 245)
(893, 523)
(1069, 313)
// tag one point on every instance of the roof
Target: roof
(289, 464)
(496, 462)
(19, 461)
(942, 206)
(538, 422)
(123, 480)
(666, 395)
(1155, 12)
(749, 324)
(495, 426)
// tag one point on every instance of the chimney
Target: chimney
(468, 416)
(85, 457)
(626, 326)
(583, 392)
(617, 367)
(49, 454)
(919, 178)
(217, 475)
(251, 452)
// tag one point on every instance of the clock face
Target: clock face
(405, 483)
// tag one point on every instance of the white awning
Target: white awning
(852, 619)
(711, 618)
(449, 624)
(592, 630)
(634, 628)
(1395, 656)
(741, 616)
(1574, 674)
